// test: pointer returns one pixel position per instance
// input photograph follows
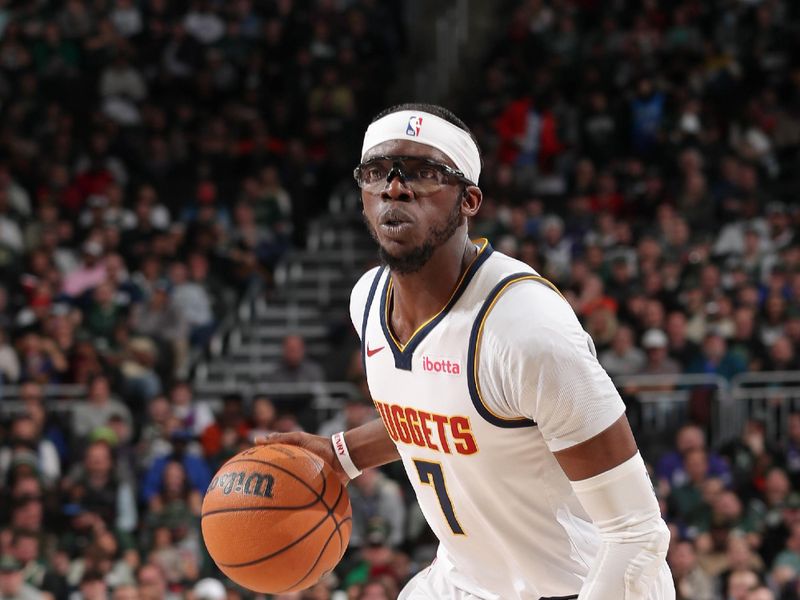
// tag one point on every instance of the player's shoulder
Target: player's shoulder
(512, 284)
(362, 286)
(359, 295)
(523, 304)
(498, 266)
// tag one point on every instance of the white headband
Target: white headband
(425, 128)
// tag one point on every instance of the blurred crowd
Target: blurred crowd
(158, 158)
(645, 157)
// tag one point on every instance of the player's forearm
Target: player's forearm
(370, 445)
(631, 562)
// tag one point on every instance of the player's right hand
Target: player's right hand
(321, 446)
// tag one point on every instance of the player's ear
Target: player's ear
(471, 199)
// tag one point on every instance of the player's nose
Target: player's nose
(397, 189)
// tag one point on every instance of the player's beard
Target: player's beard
(416, 258)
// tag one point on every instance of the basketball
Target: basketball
(276, 518)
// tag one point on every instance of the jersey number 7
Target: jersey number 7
(430, 473)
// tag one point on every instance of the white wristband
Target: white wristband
(343, 454)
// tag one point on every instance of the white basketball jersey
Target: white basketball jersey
(477, 401)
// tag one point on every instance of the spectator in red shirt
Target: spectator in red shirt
(225, 437)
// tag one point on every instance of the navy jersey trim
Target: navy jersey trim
(473, 353)
(370, 297)
(573, 597)
(404, 353)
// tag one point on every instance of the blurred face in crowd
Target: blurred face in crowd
(676, 327)
(198, 267)
(263, 413)
(752, 242)
(244, 215)
(748, 296)
(98, 460)
(152, 585)
(159, 410)
(778, 222)
(294, 350)
(793, 543)
(367, 485)
(714, 347)
(99, 390)
(656, 355)
(776, 487)
(744, 323)
(792, 329)
(682, 558)
(653, 283)
(94, 589)
(693, 299)
(174, 478)
(125, 592)
(120, 428)
(553, 229)
(760, 593)
(151, 268)
(738, 552)
(28, 515)
(623, 340)
(794, 427)
(727, 505)
(10, 583)
(690, 437)
(24, 432)
(774, 308)
(115, 267)
(696, 465)
(358, 412)
(181, 395)
(753, 436)
(270, 177)
(178, 273)
(26, 548)
(231, 410)
(104, 294)
(782, 352)
(320, 591)
(710, 279)
(584, 173)
(26, 488)
(374, 591)
(740, 583)
(653, 316)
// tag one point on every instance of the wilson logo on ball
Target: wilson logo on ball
(256, 484)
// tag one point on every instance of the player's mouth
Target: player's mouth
(395, 222)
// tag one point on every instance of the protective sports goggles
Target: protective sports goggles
(422, 175)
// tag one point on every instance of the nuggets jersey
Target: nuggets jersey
(477, 401)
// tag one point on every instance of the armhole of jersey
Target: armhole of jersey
(367, 306)
(473, 353)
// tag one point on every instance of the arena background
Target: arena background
(179, 231)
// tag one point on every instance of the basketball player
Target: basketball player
(489, 391)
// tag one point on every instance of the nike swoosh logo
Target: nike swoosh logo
(374, 351)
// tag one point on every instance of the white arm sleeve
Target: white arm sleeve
(536, 361)
(358, 298)
(631, 563)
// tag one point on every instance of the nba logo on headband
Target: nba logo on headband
(413, 127)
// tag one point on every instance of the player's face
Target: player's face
(410, 226)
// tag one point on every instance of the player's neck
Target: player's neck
(418, 296)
